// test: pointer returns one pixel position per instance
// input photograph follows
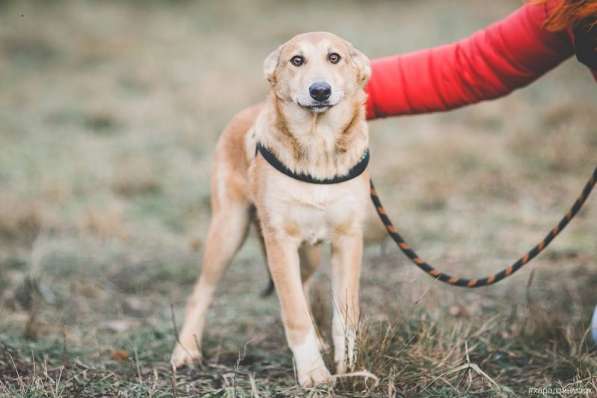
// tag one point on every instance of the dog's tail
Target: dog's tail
(269, 289)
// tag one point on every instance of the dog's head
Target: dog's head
(316, 71)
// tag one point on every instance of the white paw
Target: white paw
(315, 377)
(345, 363)
(182, 356)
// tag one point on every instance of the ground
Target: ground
(109, 115)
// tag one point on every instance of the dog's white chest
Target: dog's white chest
(311, 217)
(314, 213)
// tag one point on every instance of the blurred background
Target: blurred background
(109, 114)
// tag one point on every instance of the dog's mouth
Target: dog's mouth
(317, 107)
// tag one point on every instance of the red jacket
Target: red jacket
(491, 63)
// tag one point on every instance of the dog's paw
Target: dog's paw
(315, 377)
(184, 357)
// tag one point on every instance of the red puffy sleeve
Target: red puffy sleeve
(491, 63)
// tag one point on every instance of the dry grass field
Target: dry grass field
(109, 113)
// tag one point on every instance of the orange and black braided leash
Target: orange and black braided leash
(489, 280)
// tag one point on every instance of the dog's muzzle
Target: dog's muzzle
(320, 93)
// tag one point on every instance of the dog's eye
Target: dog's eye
(297, 60)
(334, 58)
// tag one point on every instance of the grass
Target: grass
(109, 115)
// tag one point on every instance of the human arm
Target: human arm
(491, 63)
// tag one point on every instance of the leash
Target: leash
(360, 167)
(488, 280)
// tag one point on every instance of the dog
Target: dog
(296, 165)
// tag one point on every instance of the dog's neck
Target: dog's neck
(323, 145)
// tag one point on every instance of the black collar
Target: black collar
(355, 171)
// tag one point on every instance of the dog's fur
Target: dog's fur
(293, 216)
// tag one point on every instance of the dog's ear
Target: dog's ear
(271, 64)
(361, 62)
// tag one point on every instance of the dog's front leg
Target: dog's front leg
(347, 252)
(283, 261)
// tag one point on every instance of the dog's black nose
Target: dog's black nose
(320, 91)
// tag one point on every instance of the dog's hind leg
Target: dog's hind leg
(310, 258)
(227, 232)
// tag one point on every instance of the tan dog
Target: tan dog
(314, 123)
